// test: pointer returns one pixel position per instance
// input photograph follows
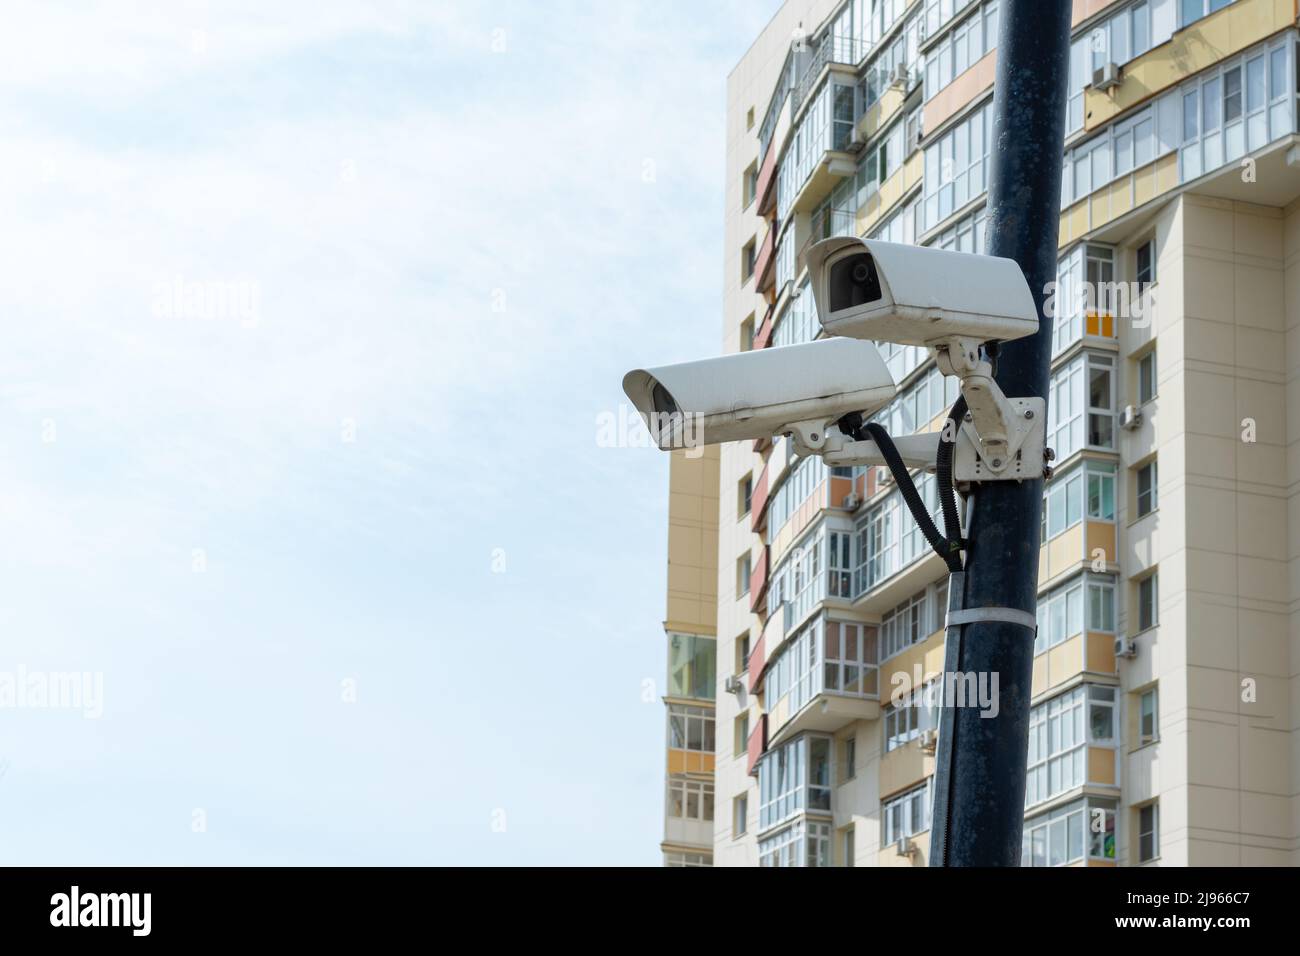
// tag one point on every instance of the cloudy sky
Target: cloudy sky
(311, 312)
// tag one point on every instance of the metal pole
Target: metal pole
(980, 805)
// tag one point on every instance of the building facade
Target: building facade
(1163, 728)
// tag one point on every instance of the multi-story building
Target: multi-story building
(689, 626)
(1162, 727)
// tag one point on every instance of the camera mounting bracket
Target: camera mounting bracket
(998, 427)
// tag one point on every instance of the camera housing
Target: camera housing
(914, 295)
(799, 389)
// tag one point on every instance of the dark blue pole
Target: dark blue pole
(984, 803)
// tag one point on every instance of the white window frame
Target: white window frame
(688, 790)
(906, 815)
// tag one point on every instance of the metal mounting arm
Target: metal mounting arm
(1007, 435)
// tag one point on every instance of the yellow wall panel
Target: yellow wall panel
(1101, 765)
(1101, 653)
(1101, 534)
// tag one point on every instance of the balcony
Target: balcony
(763, 337)
(697, 834)
(825, 678)
(756, 745)
(844, 51)
(758, 501)
(765, 260)
(1198, 46)
(766, 181)
(758, 581)
(828, 222)
(756, 663)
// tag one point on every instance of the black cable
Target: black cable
(943, 470)
(945, 548)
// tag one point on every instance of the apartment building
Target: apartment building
(690, 629)
(1163, 730)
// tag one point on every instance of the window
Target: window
(1086, 490)
(1086, 603)
(906, 815)
(1236, 107)
(1189, 11)
(749, 119)
(1058, 739)
(840, 563)
(742, 575)
(956, 166)
(747, 261)
(1148, 717)
(1148, 598)
(742, 653)
(804, 843)
(690, 728)
(1146, 489)
(846, 845)
(688, 859)
(843, 115)
(750, 184)
(1101, 715)
(881, 161)
(692, 670)
(1059, 837)
(1121, 38)
(744, 495)
(1147, 377)
(747, 334)
(1054, 839)
(965, 235)
(797, 322)
(1083, 387)
(802, 481)
(740, 731)
(848, 759)
(690, 799)
(793, 778)
(799, 581)
(960, 49)
(740, 815)
(904, 626)
(1145, 273)
(1148, 832)
(849, 661)
(888, 538)
(911, 716)
(1101, 402)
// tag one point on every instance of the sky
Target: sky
(312, 312)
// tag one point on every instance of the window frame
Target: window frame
(1148, 500)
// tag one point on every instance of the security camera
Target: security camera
(799, 390)
(913, 295)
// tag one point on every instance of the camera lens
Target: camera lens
(854, 282)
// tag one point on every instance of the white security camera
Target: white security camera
(796, 389)
(913, 295)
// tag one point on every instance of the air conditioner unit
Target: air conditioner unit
(929, 740)
(903, 847)
(1131, 417)
(1125, 647)
(851, 502)
(1106, 77)
(884, 476)
(901, 76)
(734, 685)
